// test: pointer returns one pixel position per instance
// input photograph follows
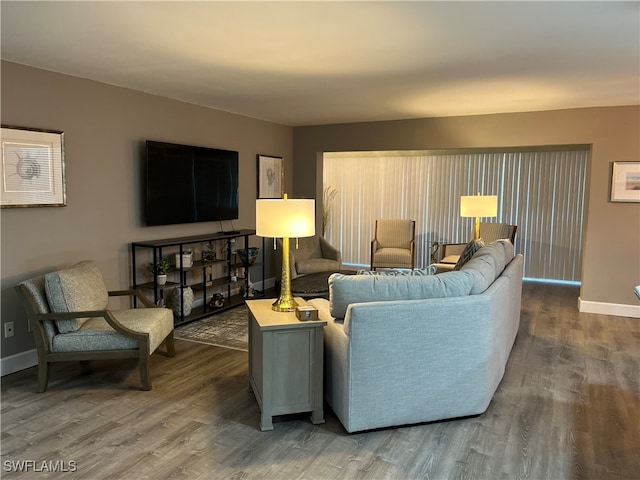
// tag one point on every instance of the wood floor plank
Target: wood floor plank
(567, 408)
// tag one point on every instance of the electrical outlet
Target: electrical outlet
(8, 329)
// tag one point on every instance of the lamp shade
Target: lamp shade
(479, 206)
(284, 218)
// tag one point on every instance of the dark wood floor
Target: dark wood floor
(568, 407)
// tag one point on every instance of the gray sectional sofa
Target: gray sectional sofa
(409, 349)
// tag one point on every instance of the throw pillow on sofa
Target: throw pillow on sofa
(347, 289)
(469, 251)
(417, 272)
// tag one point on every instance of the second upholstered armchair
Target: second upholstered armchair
(489, 232)
(393, 245)
(311, 255)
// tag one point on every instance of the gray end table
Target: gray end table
(285, 362)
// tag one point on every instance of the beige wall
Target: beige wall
(611, 256)
(105, 128)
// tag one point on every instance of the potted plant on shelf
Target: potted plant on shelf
(160, 270)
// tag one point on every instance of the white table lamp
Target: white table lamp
(478, 206)
(284, 218)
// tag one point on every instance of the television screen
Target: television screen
(186, 184)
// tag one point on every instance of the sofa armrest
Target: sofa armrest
(322, 305)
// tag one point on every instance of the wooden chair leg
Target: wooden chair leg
(170, 345)
(144, 372)
(43, 376)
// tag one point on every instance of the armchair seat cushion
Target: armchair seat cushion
(313, 265)
(95, 334)
(392, 257)
(453, 259)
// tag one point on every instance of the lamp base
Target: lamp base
(284, 305)
(285, 302)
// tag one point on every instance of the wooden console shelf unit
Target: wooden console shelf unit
(210, 282)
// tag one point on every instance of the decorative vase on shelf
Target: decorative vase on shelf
(208, 253)
(161, 279)
(248, 256)
(186, 302)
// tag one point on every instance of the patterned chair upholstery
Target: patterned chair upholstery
(70, 321)
(489, 233)
(393, 245)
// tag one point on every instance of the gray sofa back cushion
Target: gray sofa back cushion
(488, 263)
(347, 289)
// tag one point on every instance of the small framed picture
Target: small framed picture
(625, 182)
(32, 168)
(270, 176)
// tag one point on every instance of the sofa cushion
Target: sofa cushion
(347, 289)
(488, 263)
(75, 289)
(469, 251)
(508, 249)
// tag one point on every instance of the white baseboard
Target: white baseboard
(615, 309)
(18, 362)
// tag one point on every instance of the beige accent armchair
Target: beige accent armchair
(489, 232)
(312, 255)
(70, 321)
(393, 245)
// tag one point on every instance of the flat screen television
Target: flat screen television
(187, 184)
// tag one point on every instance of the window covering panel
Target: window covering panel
(542, 192)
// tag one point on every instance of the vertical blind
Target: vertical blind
(542, 192)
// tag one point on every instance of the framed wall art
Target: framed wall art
(32, 168)
(625, 182)
(270, 176)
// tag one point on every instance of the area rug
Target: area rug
(226, 329)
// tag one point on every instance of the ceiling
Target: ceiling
(311, 63)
